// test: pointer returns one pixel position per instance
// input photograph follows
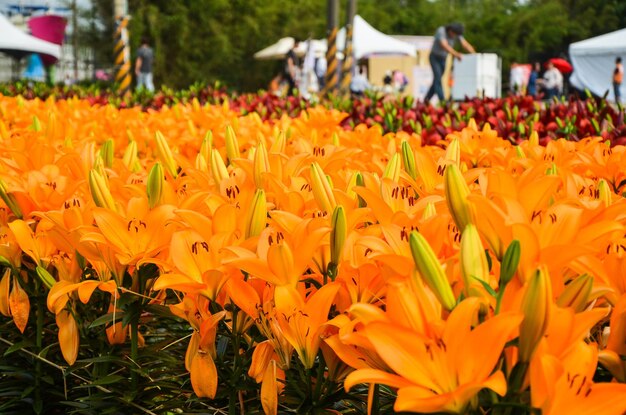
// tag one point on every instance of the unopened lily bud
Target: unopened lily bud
(261, 357)
(19, 304)
(430, 269)
(520, 152)
(45, 277)
(218, 168)
(36, 125)
(98, 165)
(201, 163)
(472, 124)
(257, 216)
(604, 192)
(251, 153)
(10, 200)
(130, 157)
(232, 146)
(536, 307)
(392, 171)
(473, 260)
(533, 140)
(106, 152)
(192, 128)
(351, 184)
(165, 155)
(130, 135)
(207, 145)
(453, 152)
(457, 191)
(195, 104)
(5, 289)
(322, 189)
(154, 186)
(279, 144)
(429, 211)
(4, 131)
(338, 234)
(334, 139)
(68, 336)
(100, 191)
(576, 293)
(509, 264)
(408, 159)
(360, 182)
(261, 164)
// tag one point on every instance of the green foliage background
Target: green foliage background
(208, 40)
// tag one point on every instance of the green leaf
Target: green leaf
(486, 286)
(159, 310)
(107, 319)
(107, 380)
(18, 346)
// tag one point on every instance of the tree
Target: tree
(208, 40)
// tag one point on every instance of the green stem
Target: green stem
(517, 377)
(375, 400)
(318, 379)
(499, 301)
(309, 386)
(515, 384)
(38, 342)
(134, 352)
(232, 399)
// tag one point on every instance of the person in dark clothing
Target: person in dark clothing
(532, 80)
(445, 39)
(292, 62)
(143, 66)
(618, 78)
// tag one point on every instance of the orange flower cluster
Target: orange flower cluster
(442, 272)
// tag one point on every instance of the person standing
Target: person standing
(552, 81)
(320, 70)
(443, 44)
(359, 83)
(532, 80)
(291, 67)
(618, 78)
(143, 65)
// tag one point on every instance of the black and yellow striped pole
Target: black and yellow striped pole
(332, 77)
(121, 51)
(346, 69)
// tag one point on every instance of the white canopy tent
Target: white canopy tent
(366, 41)
(594, 61)
(17, 43)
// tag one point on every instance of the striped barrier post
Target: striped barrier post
(332, 77)
(346, 70)
(122, 56)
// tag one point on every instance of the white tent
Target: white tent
(594, 61)
(15, 42)
(366, 41)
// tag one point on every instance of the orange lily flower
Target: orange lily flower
(440, 374)
(137, 236)
(302, 320)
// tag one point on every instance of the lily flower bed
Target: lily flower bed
(514, 118)
(196, 260)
